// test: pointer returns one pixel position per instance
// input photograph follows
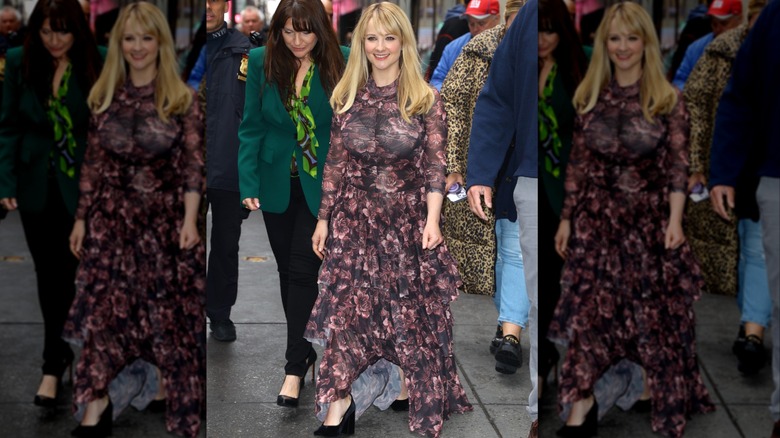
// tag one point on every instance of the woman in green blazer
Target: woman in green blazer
(284, 139)
(43, 130)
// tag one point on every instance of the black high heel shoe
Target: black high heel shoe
(549, 359)
(585, 430)
(103, 427)
(157, 406)
(642, 406)
(346, 426)
(292, 402)
(51, 402)
(400, 405)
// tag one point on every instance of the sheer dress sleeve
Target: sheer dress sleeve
(577, 169)
(335, 165)
(434, 155)
(677, 144)
(95, 160)
(192, 164)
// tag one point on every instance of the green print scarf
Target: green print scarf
(300, 113)
(63, 156)
(548, 128)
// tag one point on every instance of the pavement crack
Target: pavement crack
(464, 376)
(717, 393)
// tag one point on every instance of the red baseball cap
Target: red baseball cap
(481, 9)
(723, 9)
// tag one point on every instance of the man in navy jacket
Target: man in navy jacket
(747, 131)
(227, 53)
(507, 106)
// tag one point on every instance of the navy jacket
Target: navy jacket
(508, 105)
(225, 91)
(747, 125)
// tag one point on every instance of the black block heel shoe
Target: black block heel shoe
(102, 429)
(400, 405)
(585, 430)
(346, 426)
(642, 406)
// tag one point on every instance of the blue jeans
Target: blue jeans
(753, 297)
(511, 298)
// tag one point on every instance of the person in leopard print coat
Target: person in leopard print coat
(487, 252)
(730, 253)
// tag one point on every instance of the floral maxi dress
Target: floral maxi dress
(382, 297)
(623, 294)
(138, 295)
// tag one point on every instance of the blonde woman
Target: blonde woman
(629, 279)
(140, 284)
(386, 280)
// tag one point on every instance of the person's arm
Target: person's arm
(434, 164)
(95, 159)
(578, 168)
(251, 132)
(686, 66)
(91, 178)
(738, 114)
(510, 90)
(701, 98)
(198, 70)
(10, 135)
(459, 94)
(193, 174)
(444, 38)
(677, 171)
(332, 174)
(443, 67)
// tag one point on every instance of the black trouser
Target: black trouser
(222, 279)
(290, 236)
(550, 266)
(47, 233)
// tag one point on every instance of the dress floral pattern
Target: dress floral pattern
(382, 297)
(623, 294)
(139, 295)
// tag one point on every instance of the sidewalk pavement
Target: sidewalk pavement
(741, 403)
(21, 343)
(244, 377)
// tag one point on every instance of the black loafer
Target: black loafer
(223, 330)
(739, 343)
(400, 405)
(752, 357)
(509, 357)
(496, 341)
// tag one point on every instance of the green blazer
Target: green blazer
(267, 140)
(27, 138)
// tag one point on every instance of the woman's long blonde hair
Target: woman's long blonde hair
(172, 96)
(415, 96)
(656, 94)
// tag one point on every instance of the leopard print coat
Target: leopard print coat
(470, 240)
(713, 240)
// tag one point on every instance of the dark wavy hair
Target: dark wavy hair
(571, 59)
(38, 65)
(281, 64)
